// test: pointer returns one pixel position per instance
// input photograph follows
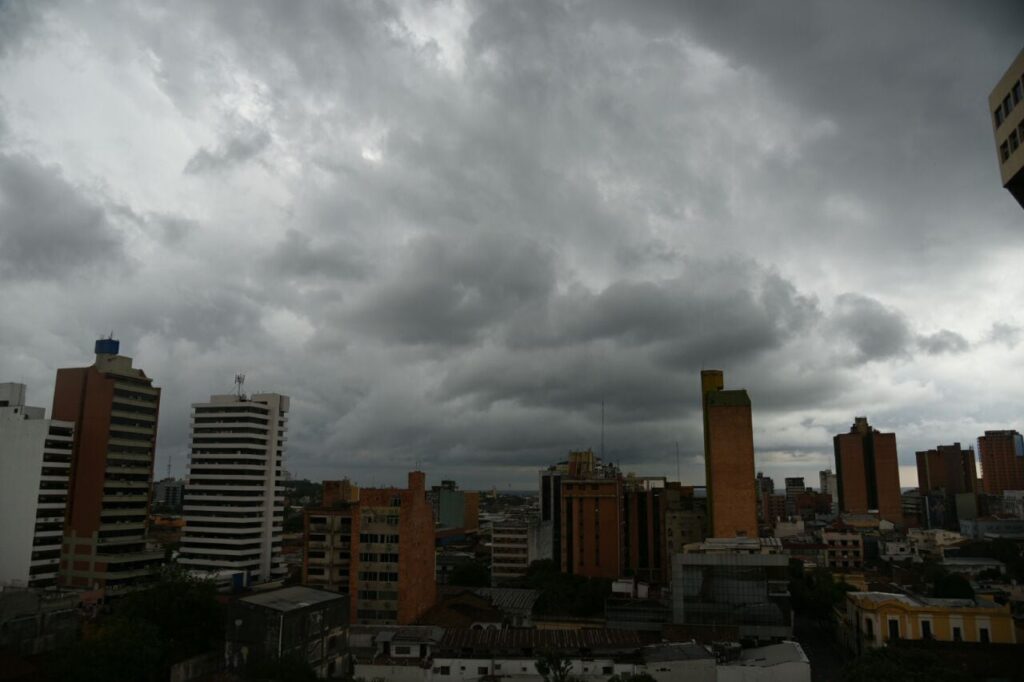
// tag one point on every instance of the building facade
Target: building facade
(35, 471)
(844, 547)
(378, 545)
(114, 407)
(234, 501)
(728, 458)
(1005, 103)
(292, 622)
(738, 588)
(868, 473)
(1002, 461)
(874, 619)
(949, 468)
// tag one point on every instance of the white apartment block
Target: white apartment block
(35, 467)
(234, 506)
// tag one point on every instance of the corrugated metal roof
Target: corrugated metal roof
(519, 641)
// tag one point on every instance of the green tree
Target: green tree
(953, 586)
(183, 609)
(553, 668)
(470, 574)
(119, 650)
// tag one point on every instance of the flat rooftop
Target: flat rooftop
(292, 598)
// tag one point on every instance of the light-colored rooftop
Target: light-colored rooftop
(772, 655)
(291, 598)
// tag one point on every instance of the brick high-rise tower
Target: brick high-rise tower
(868, 471)
(947, 467)
(728, 458)
(1002, 461)
(114, 407)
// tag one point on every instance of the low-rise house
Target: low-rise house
(973, 566)
(874, 619)
(782, 662)
(898, 550)
(932, 543)
(299, 622)
(845, 546)
(994, 526)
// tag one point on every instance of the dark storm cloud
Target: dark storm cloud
(875, 331)
(234, 151)
(17, 18)
(48, 227)
(1005, 333)
(448, 292)
(473, 223)
(942, 341)
(299, 256)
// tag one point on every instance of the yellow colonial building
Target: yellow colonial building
(873, 619)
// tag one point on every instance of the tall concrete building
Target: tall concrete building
(551, 507)
(114, 408)
(947, 467)
(35, 470)
(592, 524)
(728, 458)
(376, 544)
(234, 500)
(1006, 102)
(868, 471)
(1002, 461)
(829, 485)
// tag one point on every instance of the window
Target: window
(998, 113)
(983, 635)
(607, 670)
(443, 670)
(1013, 142)
(957, 636)
(869, 627)
(894, 629)
(926, 629)
(1018, 93)
(1007, 106)
(1004, 151)
(481, 670)
(402, 650)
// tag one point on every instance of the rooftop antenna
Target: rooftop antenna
(168, 466)
(239, 382)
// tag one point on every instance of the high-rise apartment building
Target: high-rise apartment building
(377, 544)
(234, 499)
(947, 467)
(35, 469)
(1002, 461)
(829, 485)
(728, 458)
(511, 551)
(868, 472)
(592, 524)
(1006, 102)
(114, 408)
(454, 508)
(551, 506)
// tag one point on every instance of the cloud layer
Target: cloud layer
(452, 231)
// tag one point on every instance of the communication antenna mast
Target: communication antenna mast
(239, 382)
(168, 466)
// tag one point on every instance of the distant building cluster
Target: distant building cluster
(438, 582)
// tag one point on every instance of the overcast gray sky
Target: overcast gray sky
(450, 229)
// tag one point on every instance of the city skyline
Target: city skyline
(470, 237)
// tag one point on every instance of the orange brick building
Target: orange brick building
(592, 525)
(947, 467)
(376, 544)
(115, 408)
(728, 458)
(868, 472)
(1002, 461)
